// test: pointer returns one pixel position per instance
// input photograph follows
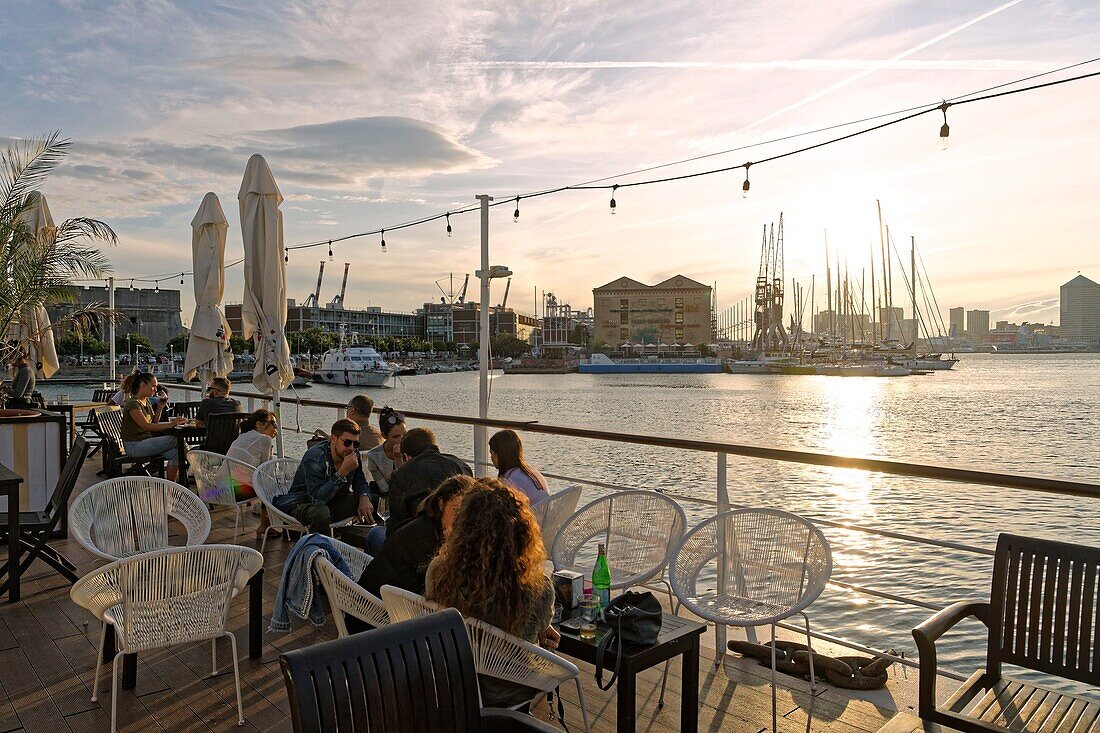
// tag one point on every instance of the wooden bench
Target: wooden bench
(1043, 615)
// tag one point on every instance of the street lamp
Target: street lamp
(129, 351)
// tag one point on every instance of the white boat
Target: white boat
(354, 366)
(926, 362)
(863, 370)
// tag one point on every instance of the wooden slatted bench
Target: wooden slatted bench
(1043, 615)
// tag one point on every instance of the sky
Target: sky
(372, 114)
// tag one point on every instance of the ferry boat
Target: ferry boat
(355, 366)
(603, 364)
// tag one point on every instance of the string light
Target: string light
(383, 240)
(613, 190)
(181, 278)
(156, 286)
(131, 285)
(330, 250)
(515, 214)
(449, 224)
(945, 129)
(746, 184)
(286, 255)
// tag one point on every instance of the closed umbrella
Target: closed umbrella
(208, 349)
(35, 330)
(264, 310)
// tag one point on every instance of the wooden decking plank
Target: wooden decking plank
(9, 721)
(28, 696)
(7, 639)
(46, 608)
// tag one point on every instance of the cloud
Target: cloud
(272, 68)
(777, 65)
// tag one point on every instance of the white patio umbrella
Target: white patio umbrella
(208, 349)
(264, 310)
(34, 327)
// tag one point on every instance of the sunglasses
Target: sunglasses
(350, 443)
(395, 418)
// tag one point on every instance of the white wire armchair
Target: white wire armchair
(273, 478)
(216, 480)
(126, 516)
(174, 596)
(345, 596)
(497, 654)
(752, 567)
(552, 512)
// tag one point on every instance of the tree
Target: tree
(136, 340)
(314, 341)
(178, 344)
(579, 336)
(507, 345)
(69, 345)
(239, 345)
(703, 349)
(39, 269)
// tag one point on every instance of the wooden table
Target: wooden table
(9, 487)
(678, 637)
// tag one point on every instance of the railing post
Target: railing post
(723, 507)
(251, 402)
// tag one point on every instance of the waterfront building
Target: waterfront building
(151, 312)
(977, 325)
(848, 326)
(1079, 309)
(371, 322)
(676, 310)
(461, 323)
(891, 323)
(957, 321)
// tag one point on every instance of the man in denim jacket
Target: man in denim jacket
(329, 484)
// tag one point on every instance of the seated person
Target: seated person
(217, 401)
(404, 557)
(329, 485)
(360, 408)
(21, 388)
(252, 447)
(506, 452)
(490, 567)
(386, 457)
(141, 413)
(424, 469)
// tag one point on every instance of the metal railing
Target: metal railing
(722, 451)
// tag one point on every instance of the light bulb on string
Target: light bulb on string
(156, 286)
(746, 184)
(515, 214)
(613, 190)
(286, 256)
(449, 230)
(383, 240)
(945, 129)
(330, 250)
(131, 286)
(181, 278)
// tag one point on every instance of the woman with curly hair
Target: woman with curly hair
(490, 567)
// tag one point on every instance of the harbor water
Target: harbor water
(1030, 414)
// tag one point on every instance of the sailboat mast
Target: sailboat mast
(829, 286)
(890, 286)
(913, 283)
(874, 300)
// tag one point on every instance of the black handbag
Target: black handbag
(635, 619)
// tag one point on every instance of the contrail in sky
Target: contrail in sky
(882, 65)
(783, 64)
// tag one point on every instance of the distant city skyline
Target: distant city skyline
(369, 118)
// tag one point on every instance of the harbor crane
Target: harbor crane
(770, 336)
(504, 300)
(314, 298)
(338, 300)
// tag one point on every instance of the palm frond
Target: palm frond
(25, 166)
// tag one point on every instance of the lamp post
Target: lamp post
(129, 351)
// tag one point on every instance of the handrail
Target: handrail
(874, 465)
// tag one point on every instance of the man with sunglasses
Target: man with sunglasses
(329, 484)
(217, 401)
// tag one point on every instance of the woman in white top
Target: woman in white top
(506, 452)
(386, 457)
(252, 447)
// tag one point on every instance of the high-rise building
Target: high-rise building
(1080, 309)
(890, 323)
(977, 325)
(958, 323)
(674, 311)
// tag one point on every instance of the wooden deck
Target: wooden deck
(48, 649)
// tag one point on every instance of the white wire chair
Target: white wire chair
(273, 478)
(552, 512)
(270, 479)
(345, 595)
(215, 478)
(173, 596)
(126, 516)
(497, 653)
(752, 567)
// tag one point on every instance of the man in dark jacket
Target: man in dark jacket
(424, 469)
(403, 559)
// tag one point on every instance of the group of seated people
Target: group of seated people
(472, 544)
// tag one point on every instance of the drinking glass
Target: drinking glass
(588, 631)
(590, 608)
(383, 510)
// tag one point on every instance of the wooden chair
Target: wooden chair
(221, 430)
(87, 425)
(1043, 615)
(413, 676)
(188, 410)
(36, 528)
(108, 422)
